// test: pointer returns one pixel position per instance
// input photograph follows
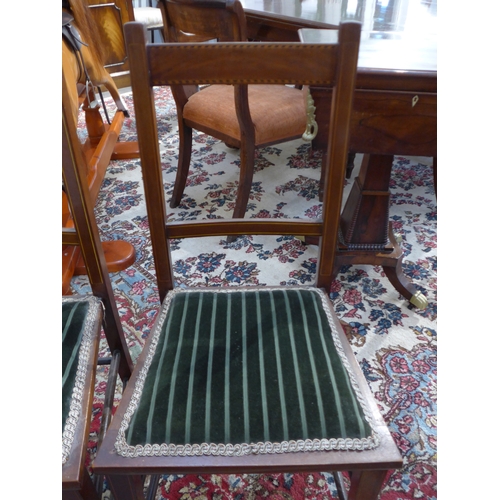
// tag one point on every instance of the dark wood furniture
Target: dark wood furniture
(243, 117)
(228, 325)
(76, 481)
(394, 110)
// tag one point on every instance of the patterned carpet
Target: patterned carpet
(394, 344)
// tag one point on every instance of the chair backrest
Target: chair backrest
(199, 21)
(243, 63)
(85, 233)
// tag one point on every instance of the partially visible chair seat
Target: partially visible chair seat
(81, 328)
(245, 379)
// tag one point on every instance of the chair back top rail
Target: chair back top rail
(243, 63)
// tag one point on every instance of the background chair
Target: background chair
(149, 16)
(256, 379)
(244, 117)
(82, 321)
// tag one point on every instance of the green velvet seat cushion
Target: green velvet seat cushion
(235, 372)
(80, 324)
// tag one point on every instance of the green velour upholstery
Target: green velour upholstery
(234, 372)
(80, 325)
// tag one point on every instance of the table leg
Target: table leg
(366, 236)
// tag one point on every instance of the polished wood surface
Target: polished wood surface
(394, 110)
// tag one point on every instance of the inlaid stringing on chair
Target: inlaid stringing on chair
(245, 380)
(82, 318)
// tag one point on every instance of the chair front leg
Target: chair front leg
(126, 487)
(185, 147)
(366, 484)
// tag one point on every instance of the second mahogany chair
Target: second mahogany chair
(243, 117)
(82, 319)
(245, 379)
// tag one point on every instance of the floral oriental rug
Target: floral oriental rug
(394, 343)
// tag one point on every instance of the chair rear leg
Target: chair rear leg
(339, 483)
(185, 146)
(247, 161)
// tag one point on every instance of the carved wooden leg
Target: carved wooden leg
(364, 220)
(185, 146)
(394, 272)
(366, 485)
(93, 121)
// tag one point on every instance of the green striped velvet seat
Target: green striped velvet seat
(232, 372)
(81, 322)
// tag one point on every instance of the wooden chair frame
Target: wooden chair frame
(172, 64)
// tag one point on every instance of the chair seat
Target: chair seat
(150, 16)
(231, 372)
(81, 323)
(278, 112)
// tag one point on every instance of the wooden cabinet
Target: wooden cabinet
(110, 16)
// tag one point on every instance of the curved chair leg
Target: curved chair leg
(185, 146)
(247, 162)
(366, 484)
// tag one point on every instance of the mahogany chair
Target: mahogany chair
(82, 319)
(149, 16)
(243, 117)
(245, 380)
(102, 142)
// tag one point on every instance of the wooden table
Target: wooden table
(395, 107)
